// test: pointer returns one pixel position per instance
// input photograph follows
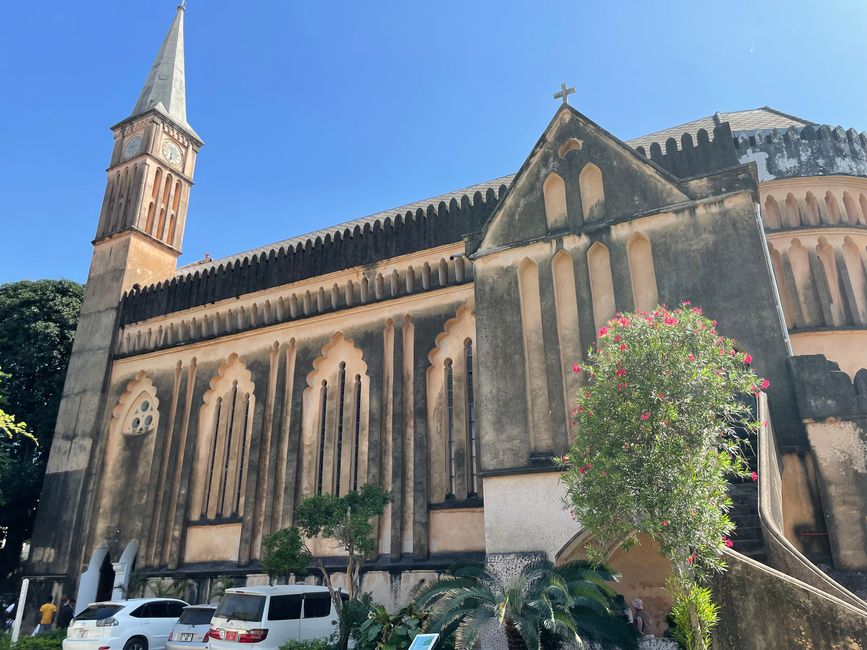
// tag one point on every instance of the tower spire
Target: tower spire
(165, 87)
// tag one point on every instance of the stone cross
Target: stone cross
(564, 93)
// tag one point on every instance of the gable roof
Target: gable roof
(740, 121)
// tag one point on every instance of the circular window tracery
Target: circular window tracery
(143, 418)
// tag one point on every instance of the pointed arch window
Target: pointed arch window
(335, 421)
(224, 445)
(453, 437)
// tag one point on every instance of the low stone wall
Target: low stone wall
(764, 608)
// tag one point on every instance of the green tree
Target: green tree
(545, 606)
(347, 522)
(658, 431)
(37, 327)
(14, 435)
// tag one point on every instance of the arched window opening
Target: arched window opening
(149, 224)
(641, 272)
(323, 412)
(161, 224)
(177, 198)
(828, 259)
(601, 284)
(855, 269)
(782, 286)
(170, 238)
(472, 440)
(793, 211)
(772, 213)
(167, 190)
(554, 190)
(450, 420)
(157, 179)
(592, 192)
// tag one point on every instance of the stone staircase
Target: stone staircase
(747, 537)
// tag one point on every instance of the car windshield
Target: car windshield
(196, 616)
(241, 607)
(98, 612)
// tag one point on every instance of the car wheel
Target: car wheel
(136, 643)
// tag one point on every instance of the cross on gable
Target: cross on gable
(564, 93)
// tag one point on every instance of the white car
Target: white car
(193, 628)
(270, 616)
(135, 624)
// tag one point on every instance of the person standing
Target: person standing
(66, 613)
(46, 617)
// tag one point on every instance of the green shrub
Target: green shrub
(49, 641)
(315, 644)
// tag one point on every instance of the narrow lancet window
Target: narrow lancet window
(450, 414)
(472, 442)
(323, 399)
(355, 446)
(338, 454)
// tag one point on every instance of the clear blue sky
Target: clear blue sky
(314, 113)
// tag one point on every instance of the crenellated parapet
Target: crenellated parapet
(693, 158)
(363, 245)
(824, 391)
(806, 151)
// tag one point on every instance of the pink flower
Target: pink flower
(617, 338)
(582, 469)
(576, 368)
(754, 476)
(671, 320)
(664, 522)
(748, 359)
(691, 558)
(765, 384)
(624, 322)
(660, 396)
(603, 331)
(714, 323)
(621, 372)
(686, 303)
(728, 542)
(645, 415)
(692, 357)
(622, 346)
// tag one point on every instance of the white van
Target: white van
(270, 616)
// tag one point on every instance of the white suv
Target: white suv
(135, 624)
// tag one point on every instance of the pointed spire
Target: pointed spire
(165, 87)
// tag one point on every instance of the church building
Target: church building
(428, 349)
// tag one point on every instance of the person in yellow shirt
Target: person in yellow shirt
(46, 617)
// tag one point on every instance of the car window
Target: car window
(173, 609)
(142, 611)
(241, 607)
(196, 616)
(98, 612)
(317, 605)
(284, 608)
(155, 609)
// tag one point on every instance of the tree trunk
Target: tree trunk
(514, 640)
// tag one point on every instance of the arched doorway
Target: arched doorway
(105, 585)
(643, 572)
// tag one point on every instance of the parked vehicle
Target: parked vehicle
(135, 624)
(270, 616)
(191, 630)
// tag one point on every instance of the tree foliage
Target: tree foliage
(347, 522)
(37, 327)
(545, 606)
(659, 429)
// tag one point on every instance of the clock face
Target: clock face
(172, 153)
(132, 147)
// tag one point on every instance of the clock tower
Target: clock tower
(138, 241)
(151, 168)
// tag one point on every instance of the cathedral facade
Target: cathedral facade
(428, 349)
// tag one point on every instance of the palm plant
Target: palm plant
(544, 606)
